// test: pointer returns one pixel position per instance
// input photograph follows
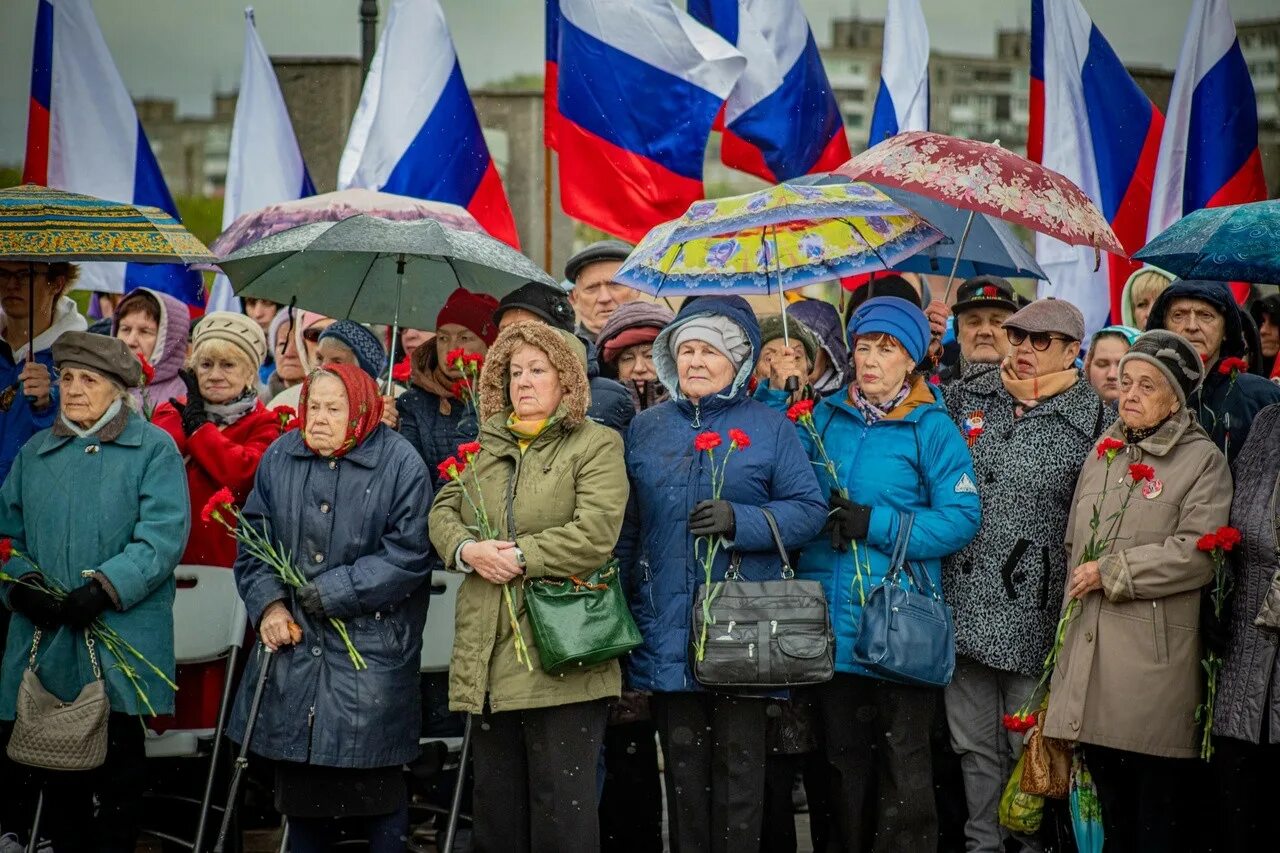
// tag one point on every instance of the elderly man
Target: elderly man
(1205, 313)
(595, 295)
(982, 305)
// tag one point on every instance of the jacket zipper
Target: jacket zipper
(697, 415)
(311, 729)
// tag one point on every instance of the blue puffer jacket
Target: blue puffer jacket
(914, 460)
(668, 477)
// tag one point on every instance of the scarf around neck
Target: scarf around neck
(225, 414)
(526, 431)
(1133, 436)
(1034, 391)
(872, 412)
(111, 412)
(365, 412)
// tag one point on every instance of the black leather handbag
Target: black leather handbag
(763, 634)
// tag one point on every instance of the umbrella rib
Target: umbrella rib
(854, 227)
(363, 279)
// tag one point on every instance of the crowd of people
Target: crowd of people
(546, 433)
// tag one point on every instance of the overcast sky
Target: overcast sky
(184, 49)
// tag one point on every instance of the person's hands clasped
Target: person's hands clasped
(36, 603)
(1085, 578)
(785, 364)
(274, 629)
(84, 604)
(713, 518)
(37, 385)
(493, 559)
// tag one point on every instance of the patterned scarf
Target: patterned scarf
(1133, 436)
(362, 397)
(870, 411)
(225, 414)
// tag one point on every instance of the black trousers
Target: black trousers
(714, 746)
(1248, 788)
(631, 805)
(69, 819)
(1144, 799)
(535, 779)
(877, 736)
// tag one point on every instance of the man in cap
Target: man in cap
(982, 305)
(595, 295)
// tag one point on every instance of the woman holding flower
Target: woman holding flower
(347, 497)
(714, 742)
(97, 513)
(1128, 678)
(541, 494)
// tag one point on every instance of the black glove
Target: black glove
(309, 601)
(846, 521)
(85, 604)
(38, 605)
(1215, 630)
(192, 412)
(711, 518)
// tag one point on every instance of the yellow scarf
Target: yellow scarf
(1031, 392)
(526, 431)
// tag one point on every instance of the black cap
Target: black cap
(985, 291)
(602, 250)
(547, 301)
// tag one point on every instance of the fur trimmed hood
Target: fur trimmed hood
(567, 355)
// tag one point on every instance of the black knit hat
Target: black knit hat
(1171, 354)
(548, 302)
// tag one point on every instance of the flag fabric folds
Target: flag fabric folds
(1090, 122)
(83, 135)
(902, 102)
(781, 119)
(415, 131)
(639, 83)
(1209, 151)
(265, 165)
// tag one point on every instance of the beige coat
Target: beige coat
(1129, 675)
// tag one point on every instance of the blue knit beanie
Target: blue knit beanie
(370, 354)
(893, 315)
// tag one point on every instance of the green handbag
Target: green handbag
(580, 622)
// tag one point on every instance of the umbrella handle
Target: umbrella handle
(955, 265)
(395, 326)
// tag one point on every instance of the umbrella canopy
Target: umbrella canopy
(43, 224)
(985, 178)
(784, 237)
(376, 270)
(334, 207)
(990, 249)
(1237, 243)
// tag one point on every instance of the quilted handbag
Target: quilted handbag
(764, 634)
(580, 622)
(55, 735)
(907, 634)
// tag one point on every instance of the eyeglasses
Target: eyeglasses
(1039, 340)
(312, 335)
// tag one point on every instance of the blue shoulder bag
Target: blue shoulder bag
(907, 633)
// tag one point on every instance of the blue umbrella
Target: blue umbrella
(986, 245)
(1237, 243)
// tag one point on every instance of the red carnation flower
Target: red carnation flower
(707, 441)
(148, 372)
(1233, 365)
(449, 469)
(801, 409)
(473, 358)
(460, 389)
(1019, 723)
(1207, 542)
(6, 550)
(454, 356)
(1109, 447)
(740, 438)
(216, 502)
(1228, 537)
(1141, 472)
(469, 450)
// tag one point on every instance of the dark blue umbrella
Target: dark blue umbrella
(1237, 243)
(988, 247)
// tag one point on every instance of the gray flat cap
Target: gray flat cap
(1050, 315)
(99, 353)
(603, 250)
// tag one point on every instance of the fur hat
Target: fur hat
(236, 329)
(99, 353)
(566, 353)
(1171, 354)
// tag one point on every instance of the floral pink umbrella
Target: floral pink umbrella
(984, 178)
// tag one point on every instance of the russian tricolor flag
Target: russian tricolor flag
(83, 136)
(639, 84)
(781, 120)
(415, 131)
(265, 165)
(902, 103)
(1091, 122)
(1209, 152)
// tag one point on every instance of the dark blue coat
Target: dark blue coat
(434, 435)
(357, 528)
(668, 476)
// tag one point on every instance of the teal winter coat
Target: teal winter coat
(115, 504)
(914, 461)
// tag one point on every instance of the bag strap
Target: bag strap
(900, 563)
(89, 642)
(735, 559)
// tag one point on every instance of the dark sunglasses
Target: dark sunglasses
(1039, 340)
(312, 335)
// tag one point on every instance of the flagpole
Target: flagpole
(546, 207)
(368, 35)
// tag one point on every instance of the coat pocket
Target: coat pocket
(1160, 632)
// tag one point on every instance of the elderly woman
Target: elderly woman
(348, 342)
(830, 373)
(625, 348)
(1029, 425)
(1128, 679)
(96, 507)
(896, 451)
(715, 741)
(307, 327)
(1102, 363)
(554, 487)
(348, 497)
(286, 365)
(780, 361)
(155, 326)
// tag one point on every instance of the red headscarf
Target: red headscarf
(362, 396)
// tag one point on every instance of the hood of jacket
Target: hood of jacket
(567, 354)
(733, 308)
(171, 335)
(824, 321)
(1127, 314)
(1215, 293)
(66, 318)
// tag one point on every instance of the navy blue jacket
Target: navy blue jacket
(357, 528)
(668, 477)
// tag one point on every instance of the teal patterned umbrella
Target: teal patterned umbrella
(1237, 243)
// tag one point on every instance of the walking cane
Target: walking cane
(455, 807)
(242, 760)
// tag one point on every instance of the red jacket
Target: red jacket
(216, 458)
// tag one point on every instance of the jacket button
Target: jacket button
(1088, 636)
(324, 506)
(315, 651)
(333, 463)
(319, 558)
(1075, 725)
(991, 476)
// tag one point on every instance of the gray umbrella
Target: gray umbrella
(376, 270)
